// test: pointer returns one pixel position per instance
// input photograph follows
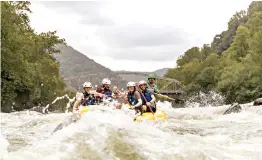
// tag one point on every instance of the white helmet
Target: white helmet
(142, 82)
(131, 84)
(106, 81)
(87, 85)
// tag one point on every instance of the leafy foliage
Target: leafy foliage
(29, 73)
(233, 63)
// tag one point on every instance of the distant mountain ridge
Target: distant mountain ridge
(76, 68)
(137, 76)
(159, 72)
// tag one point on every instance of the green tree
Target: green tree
(193, 53)
(255, 6)
(27, 60)
(222, 41)
(232, 65)
(240, 47)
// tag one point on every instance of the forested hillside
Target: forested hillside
(232, 64)
(76, 68)
(29, 73)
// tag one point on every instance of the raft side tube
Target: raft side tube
(160, 115)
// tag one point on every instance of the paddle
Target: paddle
(123, 96)
(139, 90)
(172, 99)
(127, 103)
(85, 100)
(136, 116)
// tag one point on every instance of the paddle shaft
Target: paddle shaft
(123, 97)
(85, 100)
(165, 96)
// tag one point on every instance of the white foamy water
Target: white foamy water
(103, 133)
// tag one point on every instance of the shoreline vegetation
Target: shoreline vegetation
(230, 65)
(29, 73)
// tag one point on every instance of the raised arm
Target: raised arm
(94, 92)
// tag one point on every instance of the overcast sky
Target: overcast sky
(135, 35)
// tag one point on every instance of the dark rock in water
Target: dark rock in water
(234, 108)
(258, 102)
(73, 118)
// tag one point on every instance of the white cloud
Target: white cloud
(110, 32)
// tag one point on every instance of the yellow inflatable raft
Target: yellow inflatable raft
(159, 116)
(84, 109)
(129, 107)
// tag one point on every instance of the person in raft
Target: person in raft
(148, 98)
(134, 98)
(87, 97)
(105, 89)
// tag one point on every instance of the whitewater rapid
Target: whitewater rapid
(197, 133)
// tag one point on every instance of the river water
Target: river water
(192, 133)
